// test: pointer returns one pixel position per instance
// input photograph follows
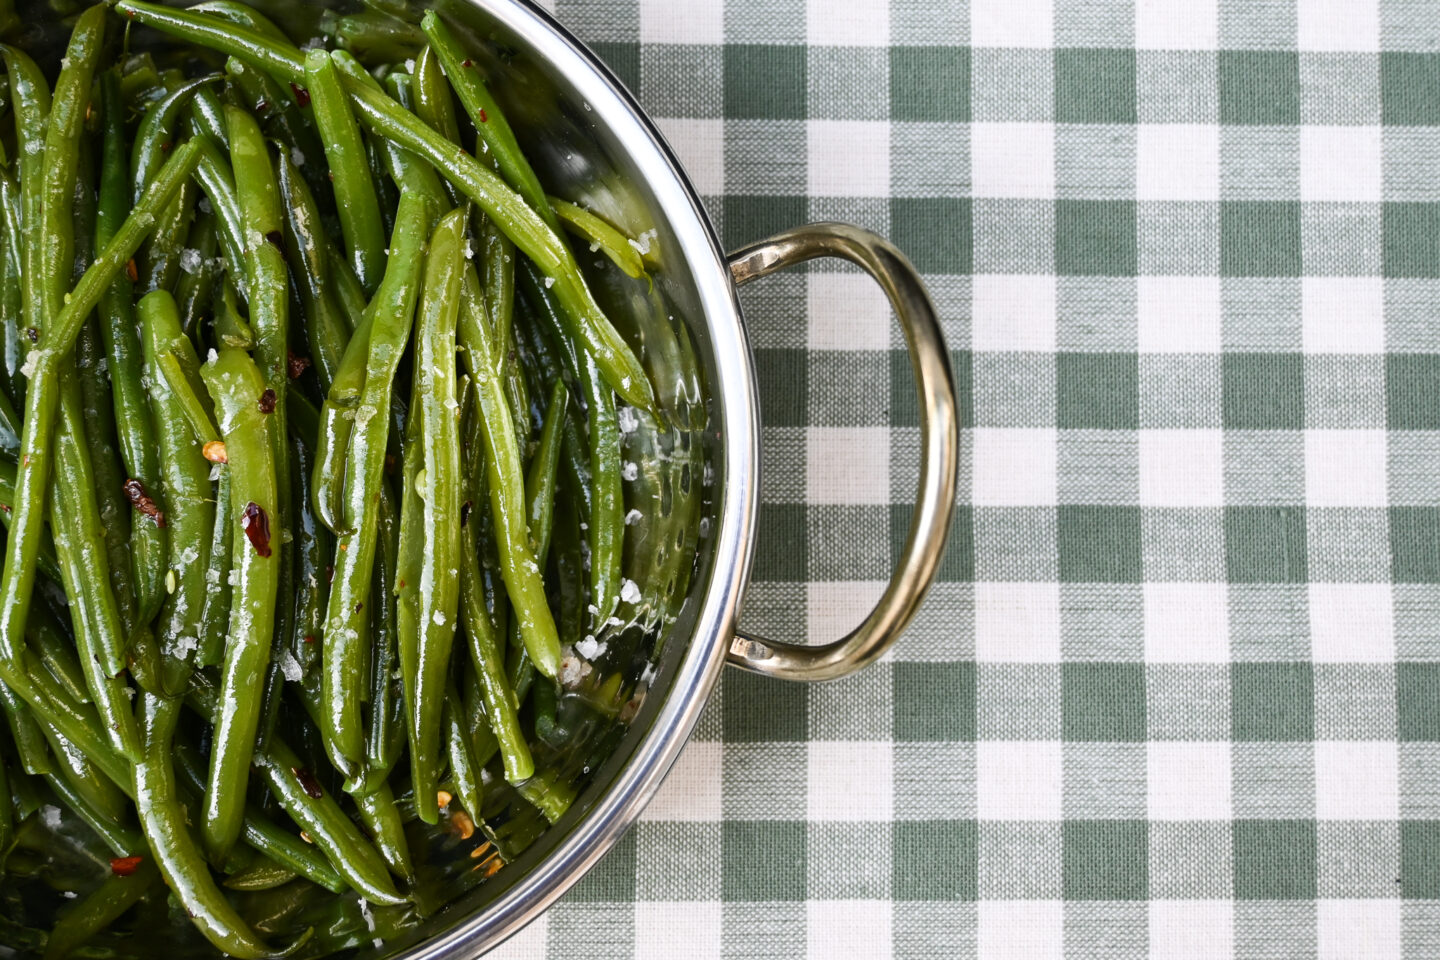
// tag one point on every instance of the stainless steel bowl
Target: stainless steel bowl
(588, 138)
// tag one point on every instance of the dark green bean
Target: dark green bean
(381, 820)
(621, 250)
(306, 246)
(312, 548)
(237, 386)
(177, 854)
(434, 101)
(116, 894)
(464, 771)
(499, 258)
(57, 652)
(12, 315)
(337, 425)
(30, 745)
(261, 874)
(217, 180)
(355, 199)
(391, 318)
(101, 797)
(155, 136)
(215, 613)
(382, 745)
(122, 841)
(196, 285)
(30, 102)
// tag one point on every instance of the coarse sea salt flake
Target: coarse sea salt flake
(630, 591)
(190, 260)
(629, 420)
(549, 282)
(633, 517)
(589, 648)
(630, 471)
(438, 618)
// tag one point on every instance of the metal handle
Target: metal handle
(939, 450)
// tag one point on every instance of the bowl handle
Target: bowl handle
(939, 450)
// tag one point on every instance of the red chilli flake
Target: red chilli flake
(131, 271)
(308, 783)
(140, 500)
(309, 638)
(125, 866)
(267, 401)
(484, 117)
(296, 365)
(302, 96)
(467, 63)
(256, 524)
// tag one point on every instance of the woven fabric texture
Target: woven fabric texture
(1177, 692)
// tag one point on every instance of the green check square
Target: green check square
(1262, 391)
(1260, 238)
(623, 59)
(1409, 89)
(958, 564)
(1103, 701)
(930, 84)
(1274, 859)
(1272, 702)
(1420, 859)
(1259, 87)
(764, 860)
(748, 218)
(934, 859)
(765, 82)
(1266, 545)
(783, 377)
(1106, 859)
(1417, 695)
(1095, 86)
(1412, 391)
(1415, 544)
(904, 404)
(1097, 391)
(782, 554)
(934, 701)
(1099, 544)
(760, 709)
(1095, 238)
(1410, 239)
(936, 233)
(613, 878)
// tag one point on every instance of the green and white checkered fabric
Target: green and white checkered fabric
(1177, 694)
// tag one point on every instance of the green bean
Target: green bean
(621, 250)
(163, 818)
(348, 293)
(499, 257)
(102, 797)
(406, 170)
(244, 15)
(506, 481)
(135, 429)
(30, 101)
(86, 570)
(57, 716)
(464, 771)
(57, 653)
(306, 248)
(196, 285)
(191, 512)
(7, 812)
(434, 101)
(355, 199)
(237, 386)
(215, 612)
(180, 370)
(155, 136)
(229, 327)
(337, 426)
(116, 894)
(261, 874)
(122, 840)
(285, 122)
(312, 547)
(30, 746)
(11, 306)
(207, 116)
(378, 38)
(389, 327)
(381, 820)
(526, 228)
(382, 746)
(318, 813)
(262, 834)
(218, 182)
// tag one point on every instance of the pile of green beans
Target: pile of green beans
(311, 477)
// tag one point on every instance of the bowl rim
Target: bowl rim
(734, 397)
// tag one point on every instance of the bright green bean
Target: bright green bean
(237, 386)
(619, 248)
(381, 820)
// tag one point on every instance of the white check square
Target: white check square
(1341, 164)
(835, 607)
(1187, 623)
(664, 21)
(847, 465)
(1346, 468)
(1343, 314)
(1338, 25)
(1188, 781)
(1356, 780)
(528, 943)
(845, 23)
(850, 781)
(1021, 929)
(1018, 780)
(691, 791)
(1012, 160)
(1191, 929)
(848, 158)
(1176, 25)
(1352, 623)
(1182, 468)
(1352, 929)
(845, 930)
(846, 311)
(700, 145)
(1178, 314)
(1014, 467)
(1013, 312)
(1017, 622)
(1177, 161)
(1012, 23)
(665, 930)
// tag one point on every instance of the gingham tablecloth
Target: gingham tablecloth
(1177, 694)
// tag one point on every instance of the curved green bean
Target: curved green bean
(619, 248)
(381, 819)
